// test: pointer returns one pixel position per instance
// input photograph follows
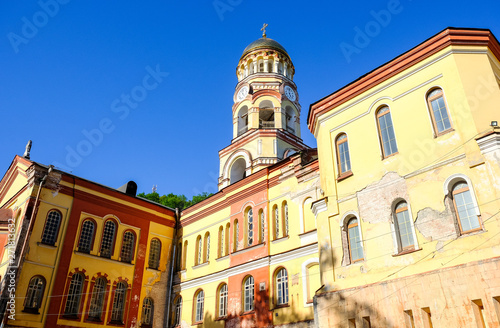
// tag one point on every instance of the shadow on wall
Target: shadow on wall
(352, 308)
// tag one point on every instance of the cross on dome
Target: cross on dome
(263, 29)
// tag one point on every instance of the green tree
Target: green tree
(174, 201)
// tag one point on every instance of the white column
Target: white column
(276, 63)
(284, 69)
(266, 61)
(246, 70)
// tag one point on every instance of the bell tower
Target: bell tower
(266, 112)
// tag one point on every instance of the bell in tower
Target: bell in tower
(266, 112)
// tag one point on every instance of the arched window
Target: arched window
(199, 251)
(270, 65)
(262, 224)
(343, 158)
(34, 294)
(403, 227)
(51, 229)
(308, 215)
(354, 239)
(97, 299)
(280, 68)
(178, 258)
(248, 294)
(154, 253)
(74, 295)
(276, 222)
(222, 303)
(226, 243)
(108, 239)
(238, 170)
(119, 302)
(199, 304)
(128, 244)
(284, 207)
(465, 208)
(281, 284)
(249, 216)
(207, 247)
(438, 111)
(242, 120)
(386, 132)
(86, 236)
(177, 311)
(220, 252)
(236, 235)
(147, 312)
(290, 119)
(184, 255)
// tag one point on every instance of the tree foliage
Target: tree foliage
(175, 201)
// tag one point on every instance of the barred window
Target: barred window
(248, 295)
(97, 299)
(154, 254)
(74, 295)
(177, 311)
(250, 227)
(285, 219)
(51, 228)
(119, 302)
(223, 301)
(282, 287)
(34, 294)
(108, 239)
(147, 312)
(127, 252)
(276, 222)
(86, 236)
(200, 300)
(262, 226)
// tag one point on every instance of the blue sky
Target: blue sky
(128, 90)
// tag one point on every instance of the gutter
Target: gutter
(166, 322)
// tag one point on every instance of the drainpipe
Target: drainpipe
(22, 250)
(166, 323)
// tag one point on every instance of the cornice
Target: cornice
(446, 38)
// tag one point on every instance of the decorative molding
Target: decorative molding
(321, 205)
(489, 143)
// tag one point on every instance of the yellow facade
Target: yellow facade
(389, 281)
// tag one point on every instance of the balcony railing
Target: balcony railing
(242, 130)
(266, 124)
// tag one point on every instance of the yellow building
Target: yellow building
(80, 254)
(409, 163)
(249, 253)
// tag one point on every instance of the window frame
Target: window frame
(397, 229)
(122, 309)
(429, 100)
(113, 240)
(90, 312)
(177, 309)
(92, 239)
(132, 248)
(77, 297)
(222, 300)
(284, 219)
(281, 287)
(276, 222)
(206, 248)
(35, 295)
(199, 251)
(157, 257)
(378, 115)
(249, 227)
(453, 194)
(248, 293)
(198, 306)
(338, 142)
(149, 315)
(56, 234)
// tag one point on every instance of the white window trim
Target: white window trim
(453, 179)
(393, 226)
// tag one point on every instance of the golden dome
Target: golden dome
(263, 43)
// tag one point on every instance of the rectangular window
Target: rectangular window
(409, 322)
(426, 317)
(352, 323)
(478, 308)
(386, 132)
